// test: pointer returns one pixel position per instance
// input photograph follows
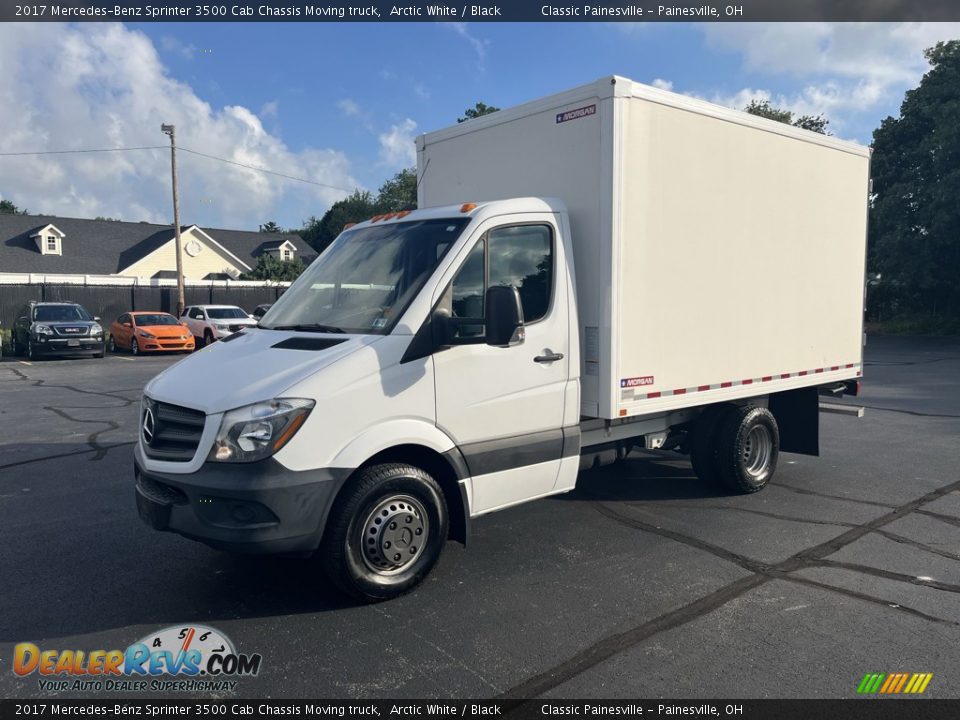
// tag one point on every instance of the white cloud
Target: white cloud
(847, 67)
(348, 107)
(103, 85)
(662, 84)
(479, 46)
(397, 147)
(174, 45)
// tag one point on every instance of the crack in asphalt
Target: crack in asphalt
(751, 511)
(948, 519)
(100, 453)
(43, 383)
(917, 544)
(28, 461)
(815, 493)
(887, 575)
(761, 573)
(889, 604)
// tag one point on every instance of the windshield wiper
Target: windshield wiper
(305, 327)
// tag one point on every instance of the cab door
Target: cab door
(504, 406)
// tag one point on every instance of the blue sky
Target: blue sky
(340, 104)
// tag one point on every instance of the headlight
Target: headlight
(258, 431)
(145, 334)
(43, 330)
(96, 331)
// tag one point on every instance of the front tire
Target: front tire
(207, 338)
(112, 345)
(385, 532)
(748, 445)
(31, 353)
(134, 347)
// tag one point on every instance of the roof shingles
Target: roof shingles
(104, 247)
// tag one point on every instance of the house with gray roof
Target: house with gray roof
(44, 244)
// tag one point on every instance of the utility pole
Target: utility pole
(172, 132)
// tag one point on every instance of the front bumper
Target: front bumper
(53, 345)
(256, 508)
(167, 344)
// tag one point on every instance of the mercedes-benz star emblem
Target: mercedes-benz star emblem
(148, 426)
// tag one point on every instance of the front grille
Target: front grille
(170, 432)
(71, 330)
(161, 493)
(235, 328)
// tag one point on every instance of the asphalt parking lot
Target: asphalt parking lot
(642, 583)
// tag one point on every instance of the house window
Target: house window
(51, 243)
(286, 254)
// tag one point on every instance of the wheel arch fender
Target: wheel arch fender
(418, 443)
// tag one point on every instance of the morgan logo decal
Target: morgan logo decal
(636, 381)
(580, 112)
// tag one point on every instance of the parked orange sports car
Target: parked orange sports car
(149, 332)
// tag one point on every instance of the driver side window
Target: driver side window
(520, 256)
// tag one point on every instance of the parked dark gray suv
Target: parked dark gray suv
(56, 328)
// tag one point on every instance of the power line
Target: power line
(188, 150)
(92, 150)
(264, 170)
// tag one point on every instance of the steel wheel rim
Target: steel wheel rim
(757, 450)
(393, 535)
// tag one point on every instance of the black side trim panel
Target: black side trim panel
(571, 441)
(493, 456)
(307, 343)
(457, 462)
(798, 418)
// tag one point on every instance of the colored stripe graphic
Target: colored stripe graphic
(894, 683)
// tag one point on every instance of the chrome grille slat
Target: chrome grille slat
(175, 433)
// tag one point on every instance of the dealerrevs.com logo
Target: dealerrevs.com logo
(184, 658)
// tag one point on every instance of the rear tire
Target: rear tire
(747, 448)
(385, 532)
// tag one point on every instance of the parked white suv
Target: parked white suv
(215, 322)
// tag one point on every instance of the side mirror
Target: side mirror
(442, 328)
(504, 316)
(96, 318)
(128, 324)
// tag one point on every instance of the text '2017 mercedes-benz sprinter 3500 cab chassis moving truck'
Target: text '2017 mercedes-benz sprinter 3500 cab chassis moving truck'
(609, 268)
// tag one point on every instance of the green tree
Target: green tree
(270, 227)
(356, 207)
(915, 215)
(107, 219)
(399, 192)
(269, 267)
(8, 208)
(763, 108)
(478, 110)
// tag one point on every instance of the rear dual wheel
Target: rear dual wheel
(385, 533)
(736, 446)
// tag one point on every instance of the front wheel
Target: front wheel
(112, 345)
(134, 347)
(385, 532)
(31, 353)
(207, 338)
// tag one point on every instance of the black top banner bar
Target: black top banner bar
(480, 11)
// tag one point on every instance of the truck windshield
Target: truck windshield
(364, 281)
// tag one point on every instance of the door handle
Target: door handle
(548, 356)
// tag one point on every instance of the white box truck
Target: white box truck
(610, 268)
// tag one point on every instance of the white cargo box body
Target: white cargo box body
(717, 255)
